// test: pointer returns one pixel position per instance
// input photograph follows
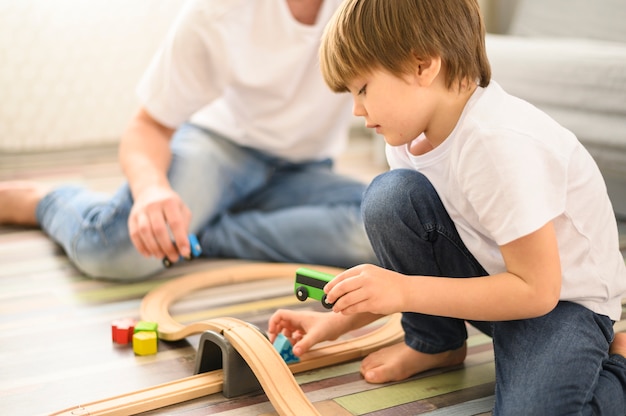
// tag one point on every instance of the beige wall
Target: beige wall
(68, 68)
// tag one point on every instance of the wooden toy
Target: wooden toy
(122, 330)
(196, 250)
(145, 338)
(145, 343)
(273, 373)
(285, 349)
(310, 284)
(146, 326)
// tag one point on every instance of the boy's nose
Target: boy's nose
(358, 110)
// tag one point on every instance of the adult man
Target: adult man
(233, 142)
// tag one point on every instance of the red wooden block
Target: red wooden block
(122, 330)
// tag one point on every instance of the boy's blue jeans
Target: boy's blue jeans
(557, 364)
(244, 204)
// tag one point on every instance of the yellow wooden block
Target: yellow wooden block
(145, 343)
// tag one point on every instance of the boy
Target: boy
(484, 217)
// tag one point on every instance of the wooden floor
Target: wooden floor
(55, 334)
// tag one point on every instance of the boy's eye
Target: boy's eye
(362, 90)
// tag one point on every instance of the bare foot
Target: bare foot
(618, 346)
(18, 202)
(399, 362)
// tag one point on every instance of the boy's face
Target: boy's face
(399, 108)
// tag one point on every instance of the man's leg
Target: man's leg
(208, 172)
(305, 214)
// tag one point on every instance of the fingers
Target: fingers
(354, 301)
(159, 229)
(303, 345)
(340, 280)
(177, 220)
(343, 284)
(298, 326)
(363, 288)
(277, 322)
(284, 321)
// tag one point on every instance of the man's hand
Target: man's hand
(158, 224)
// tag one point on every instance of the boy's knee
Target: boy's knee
(392, 192)
(397, 183)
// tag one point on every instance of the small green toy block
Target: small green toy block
(145, 326)
(285, 349)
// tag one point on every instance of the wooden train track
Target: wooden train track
(274, 375)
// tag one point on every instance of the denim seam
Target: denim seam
(426, 348)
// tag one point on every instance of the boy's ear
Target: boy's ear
(427, 70)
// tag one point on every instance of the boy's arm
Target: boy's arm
(145, 157)
(529, 288)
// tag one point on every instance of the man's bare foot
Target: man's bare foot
(399, 362)
(18, 202)
(618, 346)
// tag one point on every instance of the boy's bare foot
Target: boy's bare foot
(18, 202)
(399, 362)
(618, 346)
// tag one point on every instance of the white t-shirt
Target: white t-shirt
(249, 71)
(506, 170)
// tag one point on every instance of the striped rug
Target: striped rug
(55, 325)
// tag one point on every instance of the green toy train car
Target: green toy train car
(310, 284)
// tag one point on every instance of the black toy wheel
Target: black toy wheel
(326, 304)
(302, 293)
(166, 262)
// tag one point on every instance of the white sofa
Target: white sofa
(568, 57)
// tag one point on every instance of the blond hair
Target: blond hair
(365, 35)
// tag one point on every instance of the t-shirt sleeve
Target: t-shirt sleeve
(515, 183)
(189, 69)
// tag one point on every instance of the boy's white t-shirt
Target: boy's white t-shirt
(249, 71)
(506, 170)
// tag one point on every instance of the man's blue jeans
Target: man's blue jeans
(244, 204)
(557, 364)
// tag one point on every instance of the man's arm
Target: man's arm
(158, 214)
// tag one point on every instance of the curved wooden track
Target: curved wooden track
(275, 376)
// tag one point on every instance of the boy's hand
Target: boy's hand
(368, 288)
(303, 329)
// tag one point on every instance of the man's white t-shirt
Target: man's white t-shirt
(248, 70)
(506, 170)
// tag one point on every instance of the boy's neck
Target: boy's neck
(444, 122)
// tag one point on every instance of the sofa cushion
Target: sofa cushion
(580, 74)
(594, 19)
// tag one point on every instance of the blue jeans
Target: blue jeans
(244, 204)
(557, 364)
